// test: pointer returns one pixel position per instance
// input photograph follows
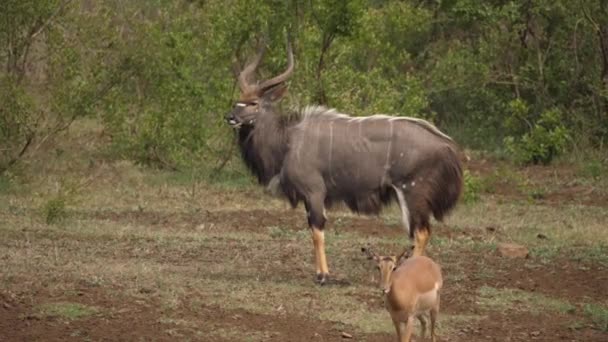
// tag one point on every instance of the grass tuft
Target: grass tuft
(598, 314)
(67, 310)
(54, 210)
(6, 183)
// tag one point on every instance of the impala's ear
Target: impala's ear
(275, 93)
(406, 254)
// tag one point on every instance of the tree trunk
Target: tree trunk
(602, 33)
(327, 40)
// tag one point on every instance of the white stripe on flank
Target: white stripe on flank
(405, 213)
(323, 113)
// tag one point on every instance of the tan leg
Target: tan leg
(434, 313)
(318, 240)
(422, 236)
(422, 325)
(397, 329)
(406, 334)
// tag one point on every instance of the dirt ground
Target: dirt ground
(139, 320)
(51, 265)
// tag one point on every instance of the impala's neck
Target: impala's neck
(263, 146)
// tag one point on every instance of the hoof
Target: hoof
(322, 278)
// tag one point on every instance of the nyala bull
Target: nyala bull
(320, 156)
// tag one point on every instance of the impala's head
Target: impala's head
(386, 265)
(257, 97)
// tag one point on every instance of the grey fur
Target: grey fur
(321, 156)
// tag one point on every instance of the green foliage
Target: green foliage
(547, 139)
(54, 210)
(337, 17)
(594, 169)
(169, 111)
(46, 80)
(369, 70)
(472, 187)
(17, 121)
(159, 73)
(7, 182)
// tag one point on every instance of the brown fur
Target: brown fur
(411, 289)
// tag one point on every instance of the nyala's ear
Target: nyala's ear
(275, 93)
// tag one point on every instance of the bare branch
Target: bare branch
(16, 158)
(588, 17)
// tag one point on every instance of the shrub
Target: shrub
(472, 187)
(546, 139)
(54, 210)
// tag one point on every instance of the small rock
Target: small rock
(541, 236)
(512, 250)
(145, 290)
(535, 333)
(346, 335)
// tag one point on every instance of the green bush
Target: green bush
(546, 140)
(54, 210)
(472, 187)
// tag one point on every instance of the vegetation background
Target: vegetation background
(524, 80)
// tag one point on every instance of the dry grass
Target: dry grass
(518, 300)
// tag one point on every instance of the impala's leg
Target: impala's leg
(398, 328)
(434, 313)
(407, 329)
(316, 221)
(422, 235)
(422, 325)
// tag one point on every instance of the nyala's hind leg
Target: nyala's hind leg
(421, 239)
